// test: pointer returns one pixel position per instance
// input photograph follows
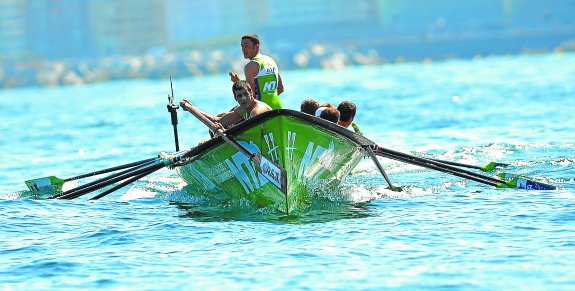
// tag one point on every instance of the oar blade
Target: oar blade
(521, 182)
(492, 166)
(45, 184)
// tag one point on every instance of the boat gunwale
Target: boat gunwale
(257, 120)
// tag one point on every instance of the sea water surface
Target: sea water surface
(441, 232)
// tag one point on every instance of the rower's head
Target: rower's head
(321, 108)
(309, 106)
(250, 45)
(347, 113)
(330, 114)
(243, 94)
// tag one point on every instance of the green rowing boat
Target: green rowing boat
(316, 154)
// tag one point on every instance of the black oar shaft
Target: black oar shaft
(457, 164)
(379, 167)
(60, 195)
(109, 170)
(126, 182)
(439, 168)
(74, 193)
(438, 164)
(148, 169)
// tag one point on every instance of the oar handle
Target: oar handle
(195, 112)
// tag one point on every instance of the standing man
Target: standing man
(261, 72)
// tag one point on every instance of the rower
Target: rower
(309, 106)
(248, 106)
(328, 112)
(347, 111)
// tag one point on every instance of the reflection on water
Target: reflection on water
(320, 213)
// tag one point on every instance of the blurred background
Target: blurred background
(63, 42)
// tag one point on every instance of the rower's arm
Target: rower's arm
(185, 104)
(260, 108)
(251, 71)
(280, 84)
(230, 118)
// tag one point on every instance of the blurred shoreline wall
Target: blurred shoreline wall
(61, 42)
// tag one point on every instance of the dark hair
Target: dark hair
(254, 38)
(327, 105)
(241, 84)
(346, 110)
(309, 106)
(330, 114)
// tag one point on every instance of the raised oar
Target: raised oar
(52, 183)
(275, 173)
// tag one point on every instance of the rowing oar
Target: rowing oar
(504, 180)
(515, 181)
(454, 171)
(67, 194)
(371, 154)
(125, 183)
(55, 184)
(275, 173)
(131, 175)
(489, 167)
(380, 168)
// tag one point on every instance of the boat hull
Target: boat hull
(316, 154)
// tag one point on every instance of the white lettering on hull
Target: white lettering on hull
(243, 169)
(272, 148)
(311, 155)
(290, 145)
(311, 167)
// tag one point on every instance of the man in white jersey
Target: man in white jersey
(261, 72)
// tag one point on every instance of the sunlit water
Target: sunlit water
(441, 232)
